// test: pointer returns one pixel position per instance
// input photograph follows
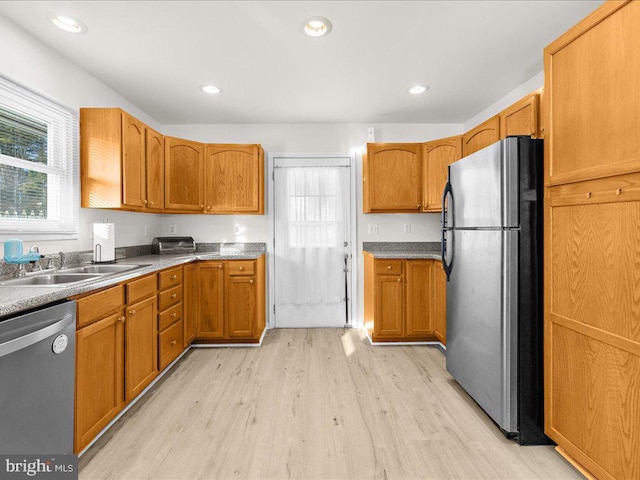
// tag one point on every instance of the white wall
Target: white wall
(32, 64)
(534, 83)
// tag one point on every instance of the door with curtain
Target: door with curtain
(312, 204)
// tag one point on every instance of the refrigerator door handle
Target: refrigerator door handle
(448, 192)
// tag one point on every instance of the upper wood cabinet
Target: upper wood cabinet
(521, 118)
(392, 177)
(481, 136)
(234, 179)
(155, 170)
(591, 95)
(118, 161)
(438, 155)
(184, 186)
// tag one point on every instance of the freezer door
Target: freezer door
(484, 188)
(482, 319)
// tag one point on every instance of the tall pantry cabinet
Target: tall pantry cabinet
(592, 242)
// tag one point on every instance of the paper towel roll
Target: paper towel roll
(104, 242)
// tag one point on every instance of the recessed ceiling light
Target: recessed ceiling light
(212, 89)
(316, 26)
(418, 89)
(67, 23)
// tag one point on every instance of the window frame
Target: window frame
(62, 167)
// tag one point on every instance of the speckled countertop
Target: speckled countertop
(16, 299)
(409, 250)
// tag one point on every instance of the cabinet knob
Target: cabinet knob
(241, 269)
(219, 266)
(251, 282)
(208, 207)
(418, 206)
(150, 203)
(132, 312)
(618, 191)
(174, 295)
(588, 194)
(173, 342)
(388, 267)
(174, 315)
(399, 280)
(201, 206)
(121, 319)
(144, 202)
(173, 277)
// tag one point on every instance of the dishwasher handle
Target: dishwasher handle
(29, 339)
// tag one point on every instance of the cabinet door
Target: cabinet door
(134, 188)
(439, 302)
(234, 179)
(155, 170)
(240, 306)
(482, 136)
(210, 300)
(438, 155)
(99, 377)
(183, 175)
(189, 301)
(141, 346)
(392, 177)
(389, 307)
(592, 97)
(418, 298)
(521, 118)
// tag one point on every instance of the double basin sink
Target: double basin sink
(69, 276)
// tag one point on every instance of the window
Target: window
(39, 188)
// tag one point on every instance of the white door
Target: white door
(311, 234)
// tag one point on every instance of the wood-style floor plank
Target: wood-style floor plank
(313, 404)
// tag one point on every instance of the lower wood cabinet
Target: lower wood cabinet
(231, 301)
(141, 346)
(190, 304)
(404, 300)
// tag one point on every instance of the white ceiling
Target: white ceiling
(158, 54)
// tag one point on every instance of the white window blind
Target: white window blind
(39, 185)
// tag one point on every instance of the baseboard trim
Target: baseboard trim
(225, 345)
(396, 344)
(574, 463)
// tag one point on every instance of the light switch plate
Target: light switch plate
(173, 229)
(406, 228)
(373, 229)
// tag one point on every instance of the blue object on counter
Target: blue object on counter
(13, 252)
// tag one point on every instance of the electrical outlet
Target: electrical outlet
(373, 229)
(146, 230)
(173, 229)
(406, 228)
(236, 229)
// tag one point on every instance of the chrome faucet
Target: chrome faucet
(62, 259)
(36, 266)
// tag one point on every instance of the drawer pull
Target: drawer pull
(132, 312)
(174, 315)
(388, 267)
(618, 191)
(122, 319)
(173, 342)
(174, 276)
(174, 295)
(588, 194)
(399, 280)
(219, 266)
(251, 282)
(241, 269)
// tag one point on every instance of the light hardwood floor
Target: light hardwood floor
(313, 404)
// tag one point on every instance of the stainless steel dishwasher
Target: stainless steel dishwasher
(37, 362)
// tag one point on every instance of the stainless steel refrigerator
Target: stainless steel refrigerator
(492, 255)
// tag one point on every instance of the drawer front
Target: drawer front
(388, 267)
(170, 344)
(140, 289)
(169, 317)
(100, 305)
(241, 268)
(170, 297)
(170, 278)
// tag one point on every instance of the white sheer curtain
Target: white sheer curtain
(311, 228)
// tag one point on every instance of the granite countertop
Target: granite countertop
(16, 299)
(408, 250)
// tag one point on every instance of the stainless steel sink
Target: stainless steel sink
(49, 280)
(69, 276)
(102, 269)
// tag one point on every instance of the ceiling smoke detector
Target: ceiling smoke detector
(316, 26)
